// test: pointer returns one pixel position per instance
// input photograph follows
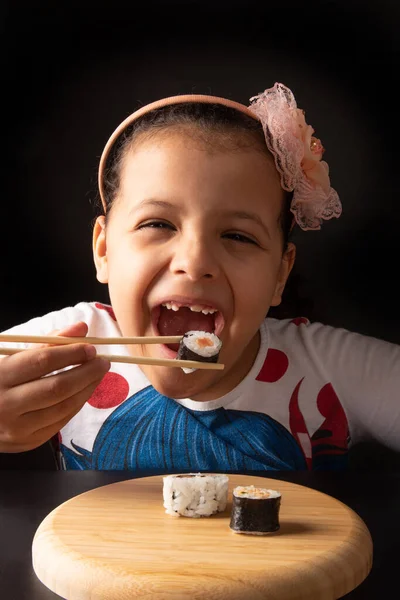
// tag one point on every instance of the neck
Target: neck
(236, 374)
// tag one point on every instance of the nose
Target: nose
(195, 257)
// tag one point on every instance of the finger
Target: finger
(44, 434)
(49, 391)
(30, 365)
(45, 423)
(78, 329)
(35, 422)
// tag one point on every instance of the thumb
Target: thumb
(78, 329)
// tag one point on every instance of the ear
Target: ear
(99, 245)
(287, 263)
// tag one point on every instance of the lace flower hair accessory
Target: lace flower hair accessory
(297, 157)
(296, 152)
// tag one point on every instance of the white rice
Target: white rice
(187, 371)
(195, 494)
(256, 493)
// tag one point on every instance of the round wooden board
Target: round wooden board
(116, 543)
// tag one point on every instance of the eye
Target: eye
(239, 237)
(156, 225)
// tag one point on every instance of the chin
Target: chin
(174, 383)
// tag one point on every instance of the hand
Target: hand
(34, 407)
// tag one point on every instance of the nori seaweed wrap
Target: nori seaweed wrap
(255, 511)
(199, 345)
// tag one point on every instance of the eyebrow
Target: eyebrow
(151, 202)
(250, 216)
(238, 214)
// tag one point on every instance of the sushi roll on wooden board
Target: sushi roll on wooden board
(199, 345)
(255, 511)
(195, 494)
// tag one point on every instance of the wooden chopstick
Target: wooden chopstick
(56, 340)
(141, 360)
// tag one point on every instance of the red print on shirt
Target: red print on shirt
(331, 437)
(274, 367)
(107, 308)
(300, 320)
(112, 390)
(298, 426)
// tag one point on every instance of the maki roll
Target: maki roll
(195, 494)
(199, 345)
(255, 511)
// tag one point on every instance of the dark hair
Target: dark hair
(209, 119)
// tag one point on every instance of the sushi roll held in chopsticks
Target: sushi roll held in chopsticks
(255, 511)
(199, 345)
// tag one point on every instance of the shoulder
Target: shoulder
(283, 332)
(98, 316)
(324, 342)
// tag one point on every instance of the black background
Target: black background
(73, 70)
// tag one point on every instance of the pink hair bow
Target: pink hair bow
(297, 157)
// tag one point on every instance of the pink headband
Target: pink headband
(296, 152)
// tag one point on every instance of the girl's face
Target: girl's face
(193, 241)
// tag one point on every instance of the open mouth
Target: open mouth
(176, 318)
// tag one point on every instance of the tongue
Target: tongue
(183, 320)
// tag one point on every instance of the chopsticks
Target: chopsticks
(49, 339)
(142, 360)
(135, 360)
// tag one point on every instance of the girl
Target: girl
(199, 196)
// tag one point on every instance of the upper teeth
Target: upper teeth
(193, 307)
